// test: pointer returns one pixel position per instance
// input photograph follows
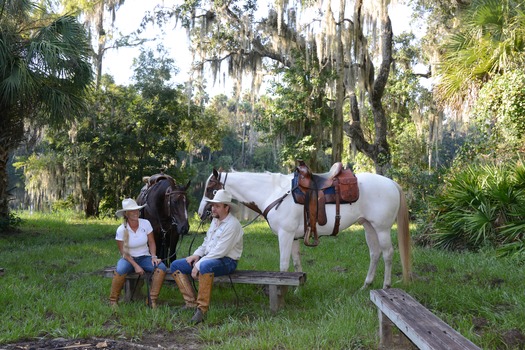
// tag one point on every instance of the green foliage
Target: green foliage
(488, 41)
(132, 132)
(479, 206)
(65, 204)
(293, 118)
(498, 114)
(10, 222)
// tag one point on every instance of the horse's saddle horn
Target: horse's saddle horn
(153, 179)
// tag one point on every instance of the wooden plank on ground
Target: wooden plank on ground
(422, 327)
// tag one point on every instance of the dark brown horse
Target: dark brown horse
(167, 211)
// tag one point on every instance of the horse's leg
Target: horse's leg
(385, 243)
(285, 249)
(296, 255)
(374, 251)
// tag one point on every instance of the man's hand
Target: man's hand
(192, 259)
(195, 273)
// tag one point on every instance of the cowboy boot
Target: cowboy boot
(185, 287)
(116, 286)
(203, 298)
(156, 284)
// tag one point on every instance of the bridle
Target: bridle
(215, 184)
(169, 204)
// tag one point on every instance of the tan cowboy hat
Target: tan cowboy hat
(224, 197)
(128, 204)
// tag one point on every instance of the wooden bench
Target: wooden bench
(418, 325)
(277, 282)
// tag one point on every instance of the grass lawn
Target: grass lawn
(53, 287)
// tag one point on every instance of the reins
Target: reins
(276, 203)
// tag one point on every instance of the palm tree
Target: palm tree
(488, 40)
(45, 71)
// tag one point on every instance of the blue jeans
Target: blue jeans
(219, 267)
(144, 261)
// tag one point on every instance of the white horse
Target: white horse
(381, 202)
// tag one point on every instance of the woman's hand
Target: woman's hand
(139, 270)
(155, 261)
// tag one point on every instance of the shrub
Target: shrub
(481, 205)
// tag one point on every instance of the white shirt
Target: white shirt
(223, 239)
(138, 240)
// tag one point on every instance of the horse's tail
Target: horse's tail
(403, 236)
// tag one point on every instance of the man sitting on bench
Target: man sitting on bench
(218, 255)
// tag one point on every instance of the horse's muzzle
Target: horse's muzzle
(206, 213)
(184, 229)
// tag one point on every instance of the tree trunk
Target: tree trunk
(379, 150)
(101, 44)
(11, 134)
(337, 125)
(4, 202)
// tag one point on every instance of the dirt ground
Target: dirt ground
(182, 340)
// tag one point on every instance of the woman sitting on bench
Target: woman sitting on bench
(137, 248)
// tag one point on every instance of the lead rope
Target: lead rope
(232, 285)
(148, 279)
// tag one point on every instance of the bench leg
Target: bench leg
(133, 289)
(277, 294)
(385, 332)
(387, 339)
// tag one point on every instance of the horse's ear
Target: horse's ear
(187, 185)
(215, 173)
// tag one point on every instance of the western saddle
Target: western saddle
(153, 179)
(314, 191)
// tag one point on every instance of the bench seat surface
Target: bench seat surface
(246, 277)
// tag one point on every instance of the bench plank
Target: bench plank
(422, 327)
(265, 278)
(278, 282)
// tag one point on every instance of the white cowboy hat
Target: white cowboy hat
(128, 204)
(224, 197)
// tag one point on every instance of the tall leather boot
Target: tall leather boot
(186, 289)
(203, 298)
(116, 286)
(156, 283)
